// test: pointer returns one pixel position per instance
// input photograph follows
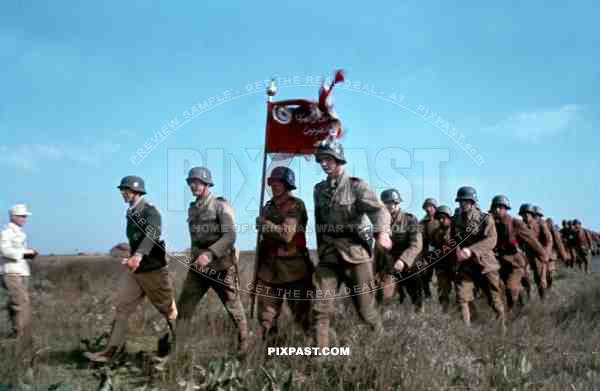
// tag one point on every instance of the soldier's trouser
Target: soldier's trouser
(426, 277)
(270, 298)
(512, 277)
(156, 285)
(360, 285)
(445, 277)
(223, 282)
(468, 277)
(540, 275)
(584, 258)
(19, 304)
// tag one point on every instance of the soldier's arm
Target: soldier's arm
(284, 232)
(7, 249)
(367, 202)
(150, 223)
(227, 225)
(416, 243)
(488, 242)
(562, 251)
(526, 235)
(318, 221)
(548, 236)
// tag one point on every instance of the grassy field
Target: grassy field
(554, 346)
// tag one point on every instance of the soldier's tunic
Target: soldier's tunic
(477, 231)
(537, 262)
(212, 232)
(344, 255)
(512, 234)
(407, 246)
(427, 225)
(285, 270)
(443, 257)
(570, 244)
(151, 278)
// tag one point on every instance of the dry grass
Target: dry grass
(549, 347)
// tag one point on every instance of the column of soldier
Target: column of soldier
(469, 249)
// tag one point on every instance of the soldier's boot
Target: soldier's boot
(465, 313)
(445, 303)
(103, 356)
(166, 343)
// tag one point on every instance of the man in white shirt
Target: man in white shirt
(15, 271)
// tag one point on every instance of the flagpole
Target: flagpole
(270, 91)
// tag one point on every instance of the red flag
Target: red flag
(294, 126)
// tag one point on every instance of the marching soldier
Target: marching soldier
(512, 234)
(427, 225)
(547, 241)
(559, 252)
(582, 247)
(214, 261)
(565, 233)
(16, 272)
(406, 248)
(285, 269)
(475, 233)
(538, 263)
(341, 201)
(148, 274)
(443, 255)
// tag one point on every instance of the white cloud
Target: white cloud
(532, 127)
(30, 157)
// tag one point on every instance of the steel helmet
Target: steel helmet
(202, 174)
(285, 175)
(526, 208)
(429, 201)
(538, 211)
(466, 193)
(500, 200)
(390, 195)
(443, 210)
(331, 148)
(134, 183)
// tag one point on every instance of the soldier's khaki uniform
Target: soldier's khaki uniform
(477, 231)
(582, 249)
(212, 231)
(443, 258)
(340, 204)
(559, 253)
(513, 263)
(407, 246)
(427, 225)
(151, 279)
(570, 239)
(285, 270)
(537, 262)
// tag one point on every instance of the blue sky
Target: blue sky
(88, 85)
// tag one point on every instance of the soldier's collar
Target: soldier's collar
(203, 200)
(285, 197)
(335, 180)
(137, 204)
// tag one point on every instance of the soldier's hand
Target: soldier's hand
(133, 262)
(384, 240)
(399, 265)
(202, 260)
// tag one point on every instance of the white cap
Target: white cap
(19, 210)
